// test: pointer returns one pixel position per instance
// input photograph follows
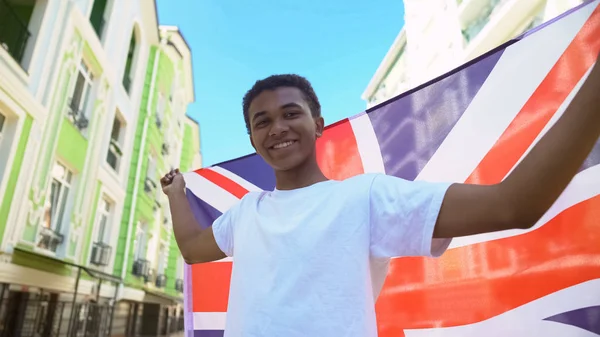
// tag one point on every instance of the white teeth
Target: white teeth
(282, 145)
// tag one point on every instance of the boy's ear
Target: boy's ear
(252, 142)
(319, 126)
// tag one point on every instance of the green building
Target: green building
(93, 101)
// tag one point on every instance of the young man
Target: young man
(310, 256)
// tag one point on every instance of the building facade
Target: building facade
(439, 35)
(93, 100)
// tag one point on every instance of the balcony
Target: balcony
(141, 268)
(161, 281)
(77, 116)
(49, 239)
(101, 253)
(179, 285)
(14, 32)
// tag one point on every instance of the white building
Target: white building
(439, 35)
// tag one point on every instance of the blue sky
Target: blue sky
(336, 44)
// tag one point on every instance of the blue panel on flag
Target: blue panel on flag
(254, 169)
(204, 213)
(411, 128)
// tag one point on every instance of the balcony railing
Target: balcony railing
(161, 281)
(50, 239)
(101, 253)
(141, 268)
(13, 32)
(77, 116)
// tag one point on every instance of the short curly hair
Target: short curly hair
(277, 81)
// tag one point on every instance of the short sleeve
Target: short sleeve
(223, 231)
(403, 215)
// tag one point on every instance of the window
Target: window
(162, 260)
(55, 208)
(57, 198)
(113, 157)
(103, 221)
(19, 28)
(101, 250)
(174, 85)
(141, 239)
(79, 101)
(160, 110)
(128, 73)
(97, 16)
(150, 183)
(2, 122)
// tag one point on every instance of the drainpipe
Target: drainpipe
(138, 171)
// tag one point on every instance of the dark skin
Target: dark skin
(517, 202)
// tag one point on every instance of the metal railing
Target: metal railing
(77, 116)
(13, 32)
(50, 239)
(25, 317)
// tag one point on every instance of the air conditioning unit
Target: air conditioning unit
(100, 254)
(161, 281)
(179, 285)
(141, 268)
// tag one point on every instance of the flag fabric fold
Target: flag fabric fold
(473, 124)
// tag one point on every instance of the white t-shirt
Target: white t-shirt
(311, 261)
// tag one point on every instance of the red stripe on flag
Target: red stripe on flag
(223, 182)
(210, 282)
(579, 56)
(337, 152)
(474, 283)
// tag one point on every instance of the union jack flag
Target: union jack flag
(473, 125)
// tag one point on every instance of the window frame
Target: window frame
(56, 222)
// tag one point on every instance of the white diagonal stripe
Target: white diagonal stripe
(584, 186)
(209, 192)
(209, 320)
(234, 177)
(368, 146)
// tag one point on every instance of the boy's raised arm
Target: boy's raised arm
(196, 245)
(534, 185)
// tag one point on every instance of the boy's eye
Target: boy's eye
(291, 114)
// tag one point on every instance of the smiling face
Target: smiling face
(282, 129)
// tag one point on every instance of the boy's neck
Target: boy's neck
(304, 175)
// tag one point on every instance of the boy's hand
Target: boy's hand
(172, 182)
